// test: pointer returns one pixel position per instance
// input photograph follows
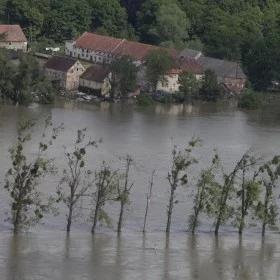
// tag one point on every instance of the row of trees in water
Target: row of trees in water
(241, 196)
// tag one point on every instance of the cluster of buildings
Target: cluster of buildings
(70, 72)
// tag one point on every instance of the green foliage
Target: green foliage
(267, 210)
(210, 89)
(110, 18)
(106, 182)
(157, 63)
(124, 74)
(178, 175)
(25, 82)
(250, 100)
(22, 179)
(124, 189)
(144, 100)
(76, 177)
(206, 187)
(188, 85)
(67, 19)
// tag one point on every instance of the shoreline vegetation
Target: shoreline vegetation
(244, 197)
(23, 82)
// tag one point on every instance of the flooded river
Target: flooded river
(147, 134)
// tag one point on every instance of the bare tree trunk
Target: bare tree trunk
(243, 210)
(69, 219)
(170, 209)
(96, 212)
(265, 211)
(149, 196)
(120, 218)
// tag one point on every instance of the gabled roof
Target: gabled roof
(189, 64)
(222, 68)
(12, 33)
(116, 47)
(97, 42)
(96, 73)
(60, 63)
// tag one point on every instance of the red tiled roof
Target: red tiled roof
(13, 33)
(96, 42)
(117, 47)
(60, 63)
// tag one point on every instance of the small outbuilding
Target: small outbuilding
(64, 71)
(96, 79)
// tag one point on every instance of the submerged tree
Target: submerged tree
(106, 181)
(76, 178)
(222, 210)
(148, 199)
(123, 190)
(267, 211)
(248, 192)
(205, 187)
(178, 175)
(22, 179)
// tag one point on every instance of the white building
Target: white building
(13, 38)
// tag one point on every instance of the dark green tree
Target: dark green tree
(110, 18)
(124, 75)
(22, 179)
(157, 63)
(66, 19)
(210, 89)
(188, 85)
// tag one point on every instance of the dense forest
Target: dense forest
(242, 30)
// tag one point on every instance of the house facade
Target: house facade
(96, 79)
(13, 38)
(101, 49)
(64, 71)
(229, 74)
(170, 83)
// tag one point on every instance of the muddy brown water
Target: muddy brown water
(148, 134)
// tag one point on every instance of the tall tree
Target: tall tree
(22, 179)
(106, 181)
(123, 190)
(157, 63)
(77, 177)
(210, 89)
(178, 175)
(206, 186)
(188, 85)
(124, 75)
(267, 210)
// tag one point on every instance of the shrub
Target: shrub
(144, 100)
(250, 100)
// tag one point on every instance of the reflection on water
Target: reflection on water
(80, 256)
(147, 134)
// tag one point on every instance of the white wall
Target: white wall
(14, 45)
